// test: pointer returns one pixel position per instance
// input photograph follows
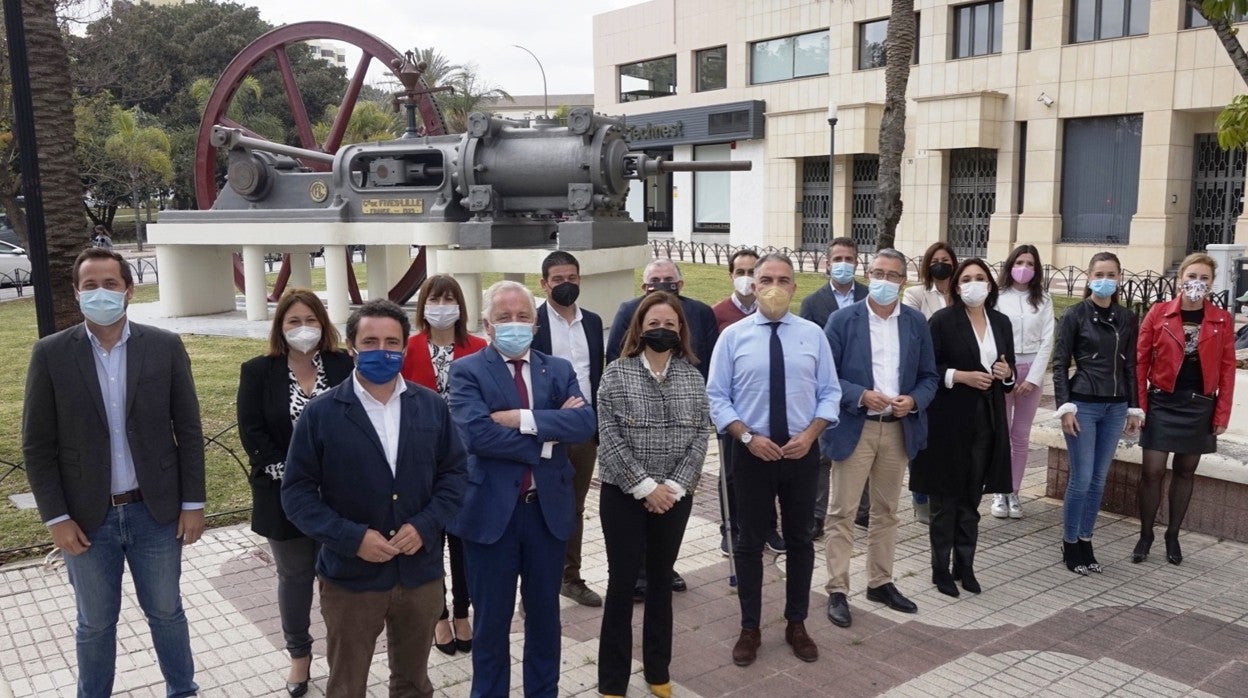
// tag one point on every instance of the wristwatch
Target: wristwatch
(746, 438)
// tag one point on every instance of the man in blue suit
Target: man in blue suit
(374, 473)
(884, 359)
(568, 331)
(516, 410)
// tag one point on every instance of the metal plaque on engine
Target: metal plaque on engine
(392, 206)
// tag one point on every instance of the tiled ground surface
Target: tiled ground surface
(1136, 630)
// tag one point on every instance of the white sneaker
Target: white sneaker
(1000, 508)
(1016, 509)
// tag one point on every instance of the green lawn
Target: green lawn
(215, 362)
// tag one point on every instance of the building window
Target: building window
(1093, 20)
(648, 79)
(789, 57)
(711, 191)
(1028, 16)
(863, 226)
(871, 43)
(977, 29)
(1100, 178)
(1021, 190)
(711, 65)
(1195, 19)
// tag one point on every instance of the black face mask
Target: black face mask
(672, 287)
(940, 271)
(661, 339)
(566, 293)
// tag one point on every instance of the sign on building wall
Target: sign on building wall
(718, 123)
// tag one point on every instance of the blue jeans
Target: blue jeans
(154, 554)
(1090, 453)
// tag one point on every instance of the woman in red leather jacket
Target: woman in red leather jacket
(442, 316)
(1185, 369)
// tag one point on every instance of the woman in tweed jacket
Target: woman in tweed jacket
(653, 421)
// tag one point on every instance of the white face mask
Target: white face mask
(304, 338)
(441, 317)
(743, 285)
(974, 293)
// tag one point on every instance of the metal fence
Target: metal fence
(143, 269)
(1138, 290)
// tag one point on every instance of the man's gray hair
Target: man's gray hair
(890, 253)
(660, 262)
(499, 287)
(774, 257)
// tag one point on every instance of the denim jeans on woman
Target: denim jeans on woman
(154, 555)
(1090, 454)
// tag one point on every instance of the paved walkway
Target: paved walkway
(1141, 630)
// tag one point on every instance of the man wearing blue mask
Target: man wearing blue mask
(114, 453)
(517, 411)
(841, 291)
(375, 472)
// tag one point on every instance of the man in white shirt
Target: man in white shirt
(566, 330)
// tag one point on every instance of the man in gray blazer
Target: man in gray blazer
(114, 453)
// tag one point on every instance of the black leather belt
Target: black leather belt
(885, 418)
(528, 497)
(127, 498)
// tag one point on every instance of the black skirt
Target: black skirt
(1179, 422)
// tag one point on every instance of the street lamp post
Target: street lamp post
(831, 163)
(545, 97)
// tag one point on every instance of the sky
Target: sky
(559, 32)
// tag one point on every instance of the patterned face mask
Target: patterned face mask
(1195, 289)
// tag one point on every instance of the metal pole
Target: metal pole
(24, 128)
(831, 174)
(545, 100)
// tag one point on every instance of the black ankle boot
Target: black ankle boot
(1089, 560)
(1072, 558)
(1140, 554)
(1174, 554)
(944, 583)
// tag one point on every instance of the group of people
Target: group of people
(368, 457)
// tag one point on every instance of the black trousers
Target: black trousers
(955, 518)
(634, 537)
(758, 484)
(460, 600)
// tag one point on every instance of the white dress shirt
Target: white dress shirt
(384, 416)
(987, 353)
(568, 341)
(528, 425)
(885, 353)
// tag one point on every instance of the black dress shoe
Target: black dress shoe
(888, 595)
(838, 610)
(1140, 554)
(944, 583)
(678, 582)
(1174, 554)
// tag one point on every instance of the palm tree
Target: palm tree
(899, 49)
(471, 93)
(143, 151)
(437, 66)
(369, 122)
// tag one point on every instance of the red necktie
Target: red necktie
(526, 484)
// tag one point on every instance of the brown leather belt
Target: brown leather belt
(127, 498)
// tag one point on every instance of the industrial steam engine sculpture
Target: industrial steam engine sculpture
(507, 183)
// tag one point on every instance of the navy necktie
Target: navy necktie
(526, 483)
(777, 411)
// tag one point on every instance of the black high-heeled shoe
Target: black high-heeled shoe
(1073, 559)
(1089, 560)
(1174, 554)
(1140, 554)
(967, 577)
(462, 645)
(448, 647)
(297, 689)
(944, 583)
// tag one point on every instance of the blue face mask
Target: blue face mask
(378, 365)
(102, 306)
(513, 338)
(842, 272)
(883, 291)
(1103, 288)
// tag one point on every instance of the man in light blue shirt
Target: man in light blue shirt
(773, 389)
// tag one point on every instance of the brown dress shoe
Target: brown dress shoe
(803, 647)
(746, 650)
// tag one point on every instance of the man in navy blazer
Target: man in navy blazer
(884, 359)
(841, 291)
(375, 471)
(568, 331)
(516, 410)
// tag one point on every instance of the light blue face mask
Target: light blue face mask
(513, 338)
(1103, 288)
(842, 272)
(102, 306)
(883, 291)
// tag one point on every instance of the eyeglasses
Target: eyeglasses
(881, 275)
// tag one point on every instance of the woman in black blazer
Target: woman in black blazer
(968, 452)
(303, 361)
